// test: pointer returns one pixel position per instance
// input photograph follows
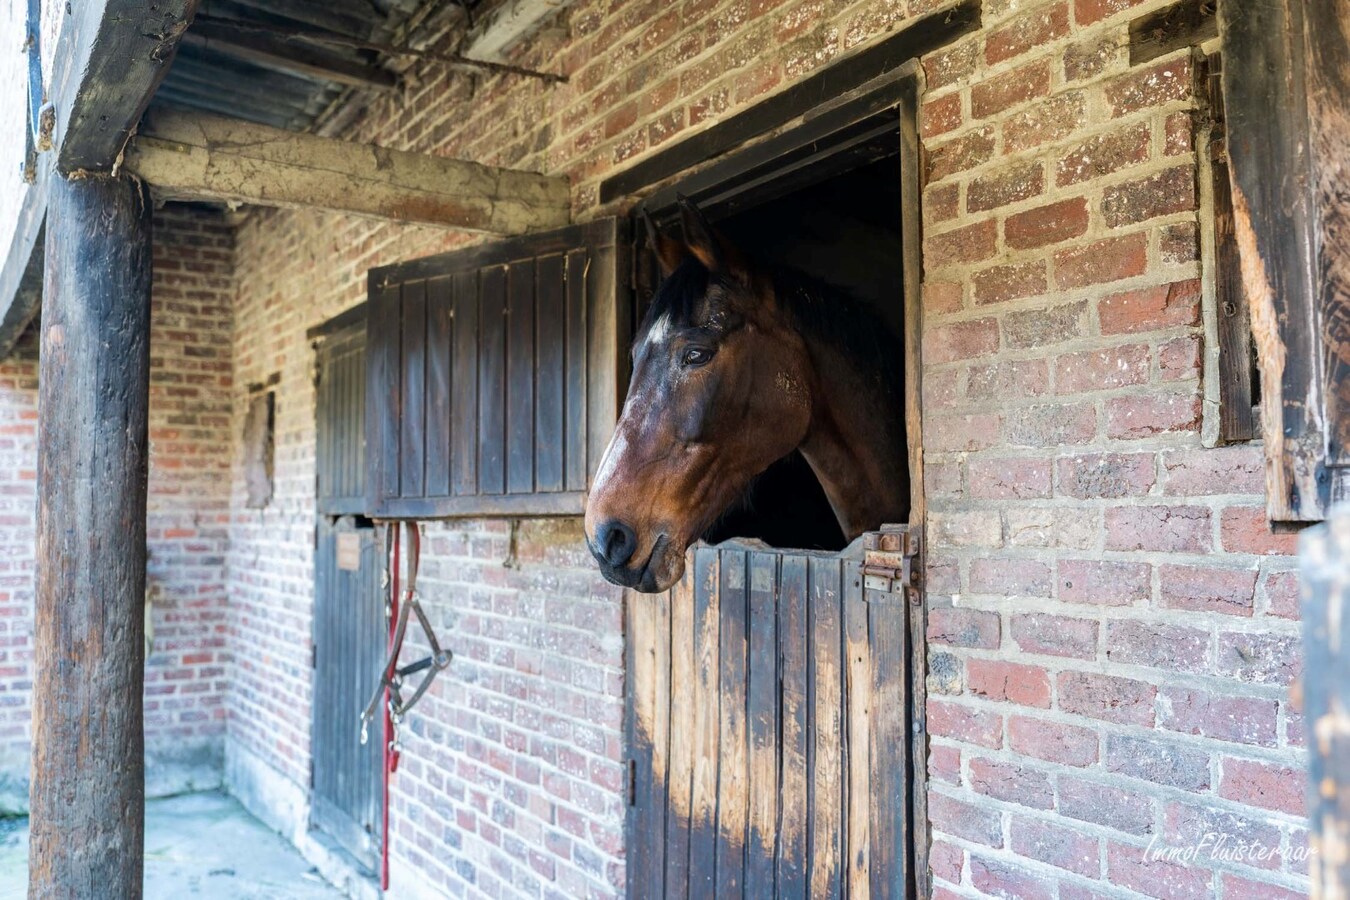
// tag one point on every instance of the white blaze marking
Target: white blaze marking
(617, 445)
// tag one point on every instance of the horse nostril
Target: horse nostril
(616, 542)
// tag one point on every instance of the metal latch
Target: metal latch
(889, 561)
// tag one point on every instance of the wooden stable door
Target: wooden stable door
(768, 721)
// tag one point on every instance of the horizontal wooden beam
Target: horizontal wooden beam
(194, 156)
(286, 56)
(110, 57)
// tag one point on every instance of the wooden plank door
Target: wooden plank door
(768, 723)
(349, 624)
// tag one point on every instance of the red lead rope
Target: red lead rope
(390, 754)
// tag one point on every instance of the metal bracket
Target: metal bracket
(889, 561)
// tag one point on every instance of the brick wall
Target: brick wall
(187, 510)
(1113, 628)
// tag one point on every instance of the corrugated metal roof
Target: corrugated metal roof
(242, 58)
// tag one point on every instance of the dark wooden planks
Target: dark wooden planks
(858, 723)
(412, 423)
(825, 785)
(550, 379)
(511, 362)
(463, 448)
(890, 765)
(649, 718)
(707, 732)
(520, 369)
(762, 693)
(791, 859)
(680, 765)
(1326, 699)
(492, 381)
(1183, 24)
(87, 793)
(733, 762)
(439, 384)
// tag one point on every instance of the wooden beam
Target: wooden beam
(1186, 23)
(21, 271)
(1325, 561)
(185, 155)
(87, 791)
(508, 24)
(286, 56)
(108, 61)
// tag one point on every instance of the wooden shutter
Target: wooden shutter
(494, 374)
(1286, 94)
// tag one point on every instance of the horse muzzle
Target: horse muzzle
(613, 547)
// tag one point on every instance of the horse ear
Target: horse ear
(704, 242)
(669, 252)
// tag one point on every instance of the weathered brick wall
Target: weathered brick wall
(1114, 627)
(186, 519)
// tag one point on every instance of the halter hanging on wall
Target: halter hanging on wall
(396, 610)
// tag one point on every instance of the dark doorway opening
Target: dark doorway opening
(839, 222)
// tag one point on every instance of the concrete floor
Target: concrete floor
(198, 845)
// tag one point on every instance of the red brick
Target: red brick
(1091, 57)
(1045, 121)
(1051, 741)
(1102, 583)
(1054, 635)
(1281, 591)
(946, 861)
(1242, 720)
(960, 154)
(966, 821)
(951, 65)
(962, 723)
(1127, 867)
(1014, 377)
(1259, 658)
(1179, 358)
(1103, 476)
(961, 340)
(999, 284)
(1158, 760)
(962, 245)
(1246, 529)
(942, 203)
(1057, 846)
(1099, 370)
(1010, 577)
(1168, 529)
(1052, 425)
(1163, 193)
(1104, 154)
(942, 115)
(991, 97)
(1179, 243)
(1035, 328)
(1265, 785)
(1046, 225)
(1237, 886)
(1011, 682)
(1007, 185)
(1085, 12)
(1207, 589)
(1102, 261)
(1133, 418)
(1163, 83)
(996, 878)
(1107, 697)
(1026, 32)
(977, 431)
(1011, 783)
(1009, 478)
(1106, 805)
(1139, 642)
(940, 297)
(944, 764)
(964, 628)
(1148, 309)
(1179, 138)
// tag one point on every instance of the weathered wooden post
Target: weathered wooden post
(87, 794)
(1325, 553)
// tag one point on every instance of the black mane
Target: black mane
(817, 308)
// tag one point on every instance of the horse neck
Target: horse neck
(856, 441)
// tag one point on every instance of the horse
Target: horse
(735, 366)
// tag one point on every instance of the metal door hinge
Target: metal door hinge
(890, 562)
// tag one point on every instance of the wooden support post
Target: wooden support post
(1326, 700)
(88, 786)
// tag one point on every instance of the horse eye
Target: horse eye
(696, 356)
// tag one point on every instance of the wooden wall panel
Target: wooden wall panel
(497, 374)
